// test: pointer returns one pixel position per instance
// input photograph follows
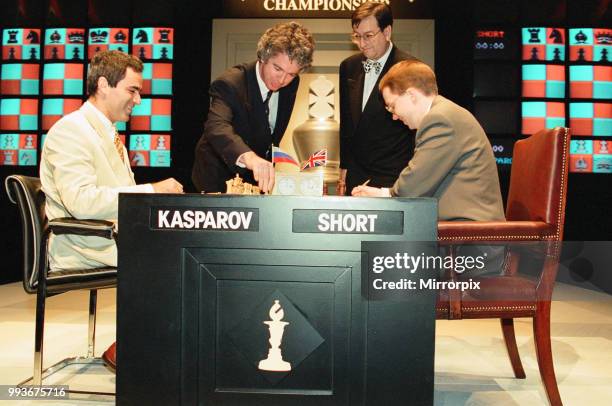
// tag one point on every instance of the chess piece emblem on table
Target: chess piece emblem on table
(274, 361)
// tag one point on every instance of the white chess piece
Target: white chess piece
(275, 361)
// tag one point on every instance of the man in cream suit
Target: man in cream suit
(453, 160)
(84, 165)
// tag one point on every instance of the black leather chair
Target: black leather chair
(27, 194)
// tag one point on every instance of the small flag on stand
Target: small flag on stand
(319, 158)
(279, 156)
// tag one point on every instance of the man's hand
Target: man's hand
(263, 171)
(341, 186)
(169, 185)
(368, 191)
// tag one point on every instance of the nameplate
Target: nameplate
(348, 221)
(217, 218)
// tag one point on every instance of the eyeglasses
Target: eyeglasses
(367, 37)
(391, 107)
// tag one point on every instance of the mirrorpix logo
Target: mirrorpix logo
(316, 5)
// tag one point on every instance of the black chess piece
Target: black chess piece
(76, 53)
(604, 55)
(163, 36)
(555, 34)
(98, 36)
(54, 53)
(11, 53)
(164, 53)
(55, 37)
(534, 54)
(581, 55)
(33, 53)
(141, 53)
(581, 37)
(557, 55)
(33, 37)
(142, 37)
(120, 49)
(12, 37)
(534, 39)
(120, 36)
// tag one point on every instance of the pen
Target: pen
(366, 182)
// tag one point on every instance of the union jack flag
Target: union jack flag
(319, 158)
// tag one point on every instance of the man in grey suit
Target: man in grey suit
(453, 160)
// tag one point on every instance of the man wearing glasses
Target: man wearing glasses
(250, 106)
(372, 146)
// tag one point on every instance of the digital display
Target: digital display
(538, 115)
(153, 43)
(544, 81)
(150, 150)
(157, 79)
(19, 114)
(502, 150)
(103, 39)
(54, 109)
(591, 156)
(18, 149)
(19, 79)
(590, 82)
(590, 44)
(494, 44)
(591, 119)
(21, 44)
(152, 115)
(63, 79)
(64, 43)
(543, 44)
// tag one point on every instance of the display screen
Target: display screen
(54, 109)
(545, 81)
(19, 79)
(502, 149)
(150, 150)
(591, 156)
(543, 44)
(152, 115)
(590, 44)
(19, 114)
(590, 82)
(21, 44)
(538, 115)
(63, 79)
(591, 119)
(64, 43)
(18, 149)
(494, 44)
(103, 39)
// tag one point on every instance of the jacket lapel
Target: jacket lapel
(255, 99)
(356, 94)
(375, 94)
(119, 167)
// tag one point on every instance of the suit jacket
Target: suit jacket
(237, 124)
(453, 161)
(372, 145)
(81, 175)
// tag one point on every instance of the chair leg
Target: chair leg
(39, 334)
(541, 330)
(91, 330)
(507, 326)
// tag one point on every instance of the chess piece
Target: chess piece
(11, 53)
(12, 37)
(556, 36)
(120, 49)
(138, 159)
(141, 53)
(120, 36)
(25, 158)
(604, 55)
(534, 54)
(275, 361)
(581, 55)
(161, 143)
(8, 142)
(603, 147)
(163, 36)
(142, 37)
(98, 36)
(76, 53)
(580, 37)
(139, 142)
(29, 140)
(77, 37)
(33, 53)
(33, 37)
(54, 53)
(164, 53)
(581, 164)
(55, 37)
(320, 131)
(535, 35)
(580, 147)
(557, 55)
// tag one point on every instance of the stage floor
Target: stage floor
(472, 367)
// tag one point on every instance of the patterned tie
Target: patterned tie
(267, 109)
(118, 145)
(369, 64)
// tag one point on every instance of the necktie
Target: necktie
(267, 109)
(369, 64)
(118, 145)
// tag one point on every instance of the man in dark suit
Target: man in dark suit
(250, 106)
(372, 146)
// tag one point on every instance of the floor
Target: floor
(471, 362)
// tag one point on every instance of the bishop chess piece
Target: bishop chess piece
(55, 37)
(275, 361)
(120, 36)
(603, 147)
(581, 37)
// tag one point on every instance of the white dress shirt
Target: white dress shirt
(372, 77)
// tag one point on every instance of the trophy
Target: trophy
(320, 131)
(275, 361)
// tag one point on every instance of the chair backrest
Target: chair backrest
(26, 192)
(538, 181)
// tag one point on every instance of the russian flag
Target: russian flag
(279, 156)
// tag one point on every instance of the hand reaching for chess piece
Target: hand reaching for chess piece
(169, 185)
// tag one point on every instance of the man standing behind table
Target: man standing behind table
(84, 166)
(250, 107)
(372, 146)
(453, 160)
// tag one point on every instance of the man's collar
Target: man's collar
(108, 125)
(262, 86)
(385, 56)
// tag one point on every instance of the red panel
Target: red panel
(581, 89)
(146, 86)
(10, 87)
(73, 71)
(532, 125)
(29, 106)
(6, 52)
(534, 88)
(61, 51)
(23, 141)
(588, 52)
(53, 86)
(161, 107)
(602, 73)
(157, 36)
(148, 51)
(29, 71)
(139, 158)
(48, 121)
(71, 105)
(8, 157)
(581, 126)
(602, 147)
(602, 110)
(555, 72)
(9, 122)
(162, 71)
(155, 142)
(581, 163)
(93, 49)
(554, 109)
(527, 52)
(140, 123)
